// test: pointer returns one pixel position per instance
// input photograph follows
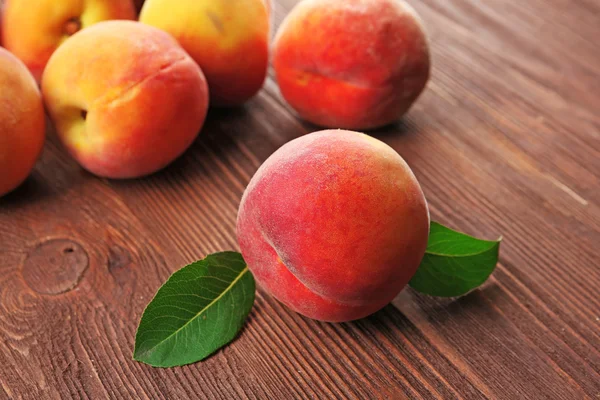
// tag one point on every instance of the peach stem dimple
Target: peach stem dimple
(72, 26)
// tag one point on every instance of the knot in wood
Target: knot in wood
(55, 266)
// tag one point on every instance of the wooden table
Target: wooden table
(506, 140)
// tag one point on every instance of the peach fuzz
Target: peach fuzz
(22, 122)
(354, 64)
(34, 29)
(334, 224)
(125, 98)
(229, 41)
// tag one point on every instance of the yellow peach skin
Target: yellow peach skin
(34, 29)
(22, 126)
(125, 98)
(228, 39)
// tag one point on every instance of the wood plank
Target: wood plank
(504, 141)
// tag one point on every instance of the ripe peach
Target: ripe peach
(22, 123)
(354, 64)
(333, 224)
(229, 40)
(126, 99)
(33, 29)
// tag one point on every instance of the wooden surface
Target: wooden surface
(506, 140)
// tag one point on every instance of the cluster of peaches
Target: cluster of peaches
(127, 85)
(126, 97)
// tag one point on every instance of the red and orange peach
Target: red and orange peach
(125, 98)
(334, 224)
(22, 122)
(354, 64)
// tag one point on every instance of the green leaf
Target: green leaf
(454, 263)
(197, 311)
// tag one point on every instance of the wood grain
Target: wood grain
(506, 140)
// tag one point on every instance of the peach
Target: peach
(334, 224)
(354, 64)
(22, 123)
(34, 29)
(229, 40)
(125, 98)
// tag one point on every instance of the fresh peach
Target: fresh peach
(22, 123)
(334, 224)
(34, 29)
(229, 40)
(125, 98)
(355, 64)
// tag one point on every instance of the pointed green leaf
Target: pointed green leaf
(454, 263)
(197, 311)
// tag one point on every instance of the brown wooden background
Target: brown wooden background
(506, 140)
